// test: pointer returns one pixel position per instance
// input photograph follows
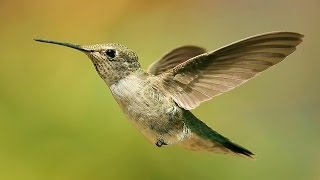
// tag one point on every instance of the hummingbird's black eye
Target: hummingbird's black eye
(111, 53)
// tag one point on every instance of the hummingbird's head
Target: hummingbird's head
(112, 61)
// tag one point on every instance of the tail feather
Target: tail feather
(203, 138)
(238, 149)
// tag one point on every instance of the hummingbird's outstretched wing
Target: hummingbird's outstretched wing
(173, 58)
(207, 75)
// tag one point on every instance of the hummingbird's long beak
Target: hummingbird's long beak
(73, 46)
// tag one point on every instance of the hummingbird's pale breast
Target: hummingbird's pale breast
(149, 109)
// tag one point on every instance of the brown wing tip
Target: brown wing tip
(296, 34)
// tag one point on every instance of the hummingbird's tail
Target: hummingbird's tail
(203, 138)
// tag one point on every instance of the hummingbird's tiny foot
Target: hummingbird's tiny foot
(160, 143)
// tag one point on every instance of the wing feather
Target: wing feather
(173, 58)
(207, 75)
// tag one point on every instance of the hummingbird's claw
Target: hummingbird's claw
(160, 143)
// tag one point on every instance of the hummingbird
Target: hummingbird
(158, 101)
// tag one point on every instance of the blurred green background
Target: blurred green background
(58, 120)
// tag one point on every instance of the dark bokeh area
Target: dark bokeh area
(58, 119)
